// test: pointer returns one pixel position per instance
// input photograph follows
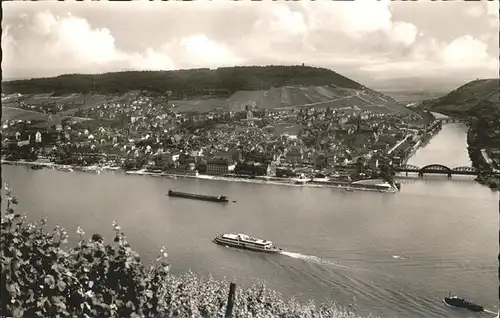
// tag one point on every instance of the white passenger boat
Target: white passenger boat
(246, 242)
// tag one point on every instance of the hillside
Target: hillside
(183, 83)
(204, 89)
(297, 96)
(469, 100)
(478, 103)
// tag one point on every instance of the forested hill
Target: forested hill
(474, 99)
(478, 103)
(183, 83)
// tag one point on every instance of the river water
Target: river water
(398, 254)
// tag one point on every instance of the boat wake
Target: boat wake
(317, 260)
(484, 310)
(492, 312)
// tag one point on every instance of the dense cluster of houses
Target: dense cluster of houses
(144, 132)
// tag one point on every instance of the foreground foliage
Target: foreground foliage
(41, 277)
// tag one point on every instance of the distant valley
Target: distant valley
(412, 96)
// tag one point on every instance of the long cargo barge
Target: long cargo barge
(202, 197)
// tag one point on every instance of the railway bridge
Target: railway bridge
(437, 169)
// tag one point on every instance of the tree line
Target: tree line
(182, 83)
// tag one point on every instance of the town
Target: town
(139, 132)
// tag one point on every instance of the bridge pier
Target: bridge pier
(420, 174)
(407, 173)
(449, 175)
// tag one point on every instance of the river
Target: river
(398, 254)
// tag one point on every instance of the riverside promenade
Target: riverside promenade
(377, 185)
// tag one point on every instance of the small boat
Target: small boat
(246, 242)
(36, 167)
(203, 197)
(455, 301)
(349, 189)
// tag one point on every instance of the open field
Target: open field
(88, 102)
(12, 113)
(9, 113)
(79, 100)
(39, 99)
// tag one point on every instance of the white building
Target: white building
(38, 137)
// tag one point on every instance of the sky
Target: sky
(372, 42)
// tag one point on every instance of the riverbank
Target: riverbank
(315, 183)
(274, 181)
(477, 143)
(60, 167)
(488, 175)
(422, 142)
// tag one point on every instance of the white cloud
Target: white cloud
(287, 21)
(43, 22)
(404, 32)
(463, 55)
(74, 45)
(152, 60)
(353, 18)
(9, 45)
(205, 51)
(52, 43)
(360, 36)
(465, 51)
(358, 20)
(321, 31)
(277, 25)
(75, 36)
